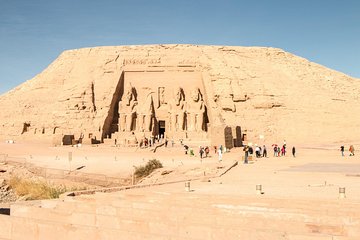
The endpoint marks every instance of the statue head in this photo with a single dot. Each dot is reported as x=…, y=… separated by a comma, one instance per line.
x=178, y=95
x=129, y=94
x=196, y=95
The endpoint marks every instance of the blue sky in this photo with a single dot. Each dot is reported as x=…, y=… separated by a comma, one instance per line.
x=34, y=32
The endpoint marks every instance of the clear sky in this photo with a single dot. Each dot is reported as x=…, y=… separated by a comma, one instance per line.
x=34, y=32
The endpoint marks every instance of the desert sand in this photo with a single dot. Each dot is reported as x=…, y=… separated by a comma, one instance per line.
x=302, y=191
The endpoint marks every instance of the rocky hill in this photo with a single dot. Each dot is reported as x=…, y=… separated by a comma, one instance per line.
x=270, y=93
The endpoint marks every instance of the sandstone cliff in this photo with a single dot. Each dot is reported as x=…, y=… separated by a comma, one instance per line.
x=266, y=91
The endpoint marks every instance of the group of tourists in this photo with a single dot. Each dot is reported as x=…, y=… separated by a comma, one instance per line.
x=259, y=151
x=153, y=140
x=262, y=151
x=282, y=151
x=351, y=150
x=279, y=151
x=203, y=151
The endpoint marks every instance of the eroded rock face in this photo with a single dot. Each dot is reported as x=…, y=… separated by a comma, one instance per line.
x=183, y=92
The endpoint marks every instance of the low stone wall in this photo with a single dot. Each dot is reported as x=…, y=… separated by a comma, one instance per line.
x=75, y=176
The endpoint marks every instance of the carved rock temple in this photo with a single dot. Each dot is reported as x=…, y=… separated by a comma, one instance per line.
x=210, y=94
x=162, y=101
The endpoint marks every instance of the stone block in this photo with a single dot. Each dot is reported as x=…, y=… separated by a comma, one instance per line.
x=107, y=221
x=24, y=229
x=81, y=232
x=5, y=226
x=87, y=219
x=51, y=230
x=106, y=210
x=134, y=225
x=163, y=226
x=57, y=140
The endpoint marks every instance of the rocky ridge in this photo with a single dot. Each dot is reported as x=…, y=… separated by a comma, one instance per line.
x=266, y=91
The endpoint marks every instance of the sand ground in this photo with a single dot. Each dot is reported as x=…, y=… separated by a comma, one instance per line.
x=316, y=171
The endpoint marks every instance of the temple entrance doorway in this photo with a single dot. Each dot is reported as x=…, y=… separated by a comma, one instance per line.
x=161, y=128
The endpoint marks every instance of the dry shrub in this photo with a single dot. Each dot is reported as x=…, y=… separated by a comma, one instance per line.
x=35, y=190
x=150, y=166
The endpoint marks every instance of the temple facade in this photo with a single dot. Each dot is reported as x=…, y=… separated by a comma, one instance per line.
x=165, y=102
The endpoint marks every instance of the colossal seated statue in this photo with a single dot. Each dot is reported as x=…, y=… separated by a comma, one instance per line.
x=177, y=110
x=127, y=110
x=145, y=114
x=195, y=111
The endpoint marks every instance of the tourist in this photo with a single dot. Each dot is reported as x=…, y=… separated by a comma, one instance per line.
x=293, y=151
x=283, y=150
x=155, y=139
x=352, y=150
x=166, y=142
x=220, y=154
x=257, y=151
x=186, y=148
x=191, y=152
x=278, y=151
x=246, y=150
x=221, y=148
x=207, y=151
x=251, y=151
x=275, y=150
x=342, y=149
x=264, y=151
x=215, y=149
x=201, y=151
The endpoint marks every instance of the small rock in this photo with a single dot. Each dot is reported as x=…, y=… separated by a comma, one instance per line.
x=166, y=172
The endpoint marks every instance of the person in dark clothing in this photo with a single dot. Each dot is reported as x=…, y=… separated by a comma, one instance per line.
x=246, y=150
x=201, y=152
x=186, y=148
x=264, y=151
x=251, y=151
x=293, y=151
x=342, y=149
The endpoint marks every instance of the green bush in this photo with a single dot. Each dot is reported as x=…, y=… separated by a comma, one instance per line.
x=150, y=166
